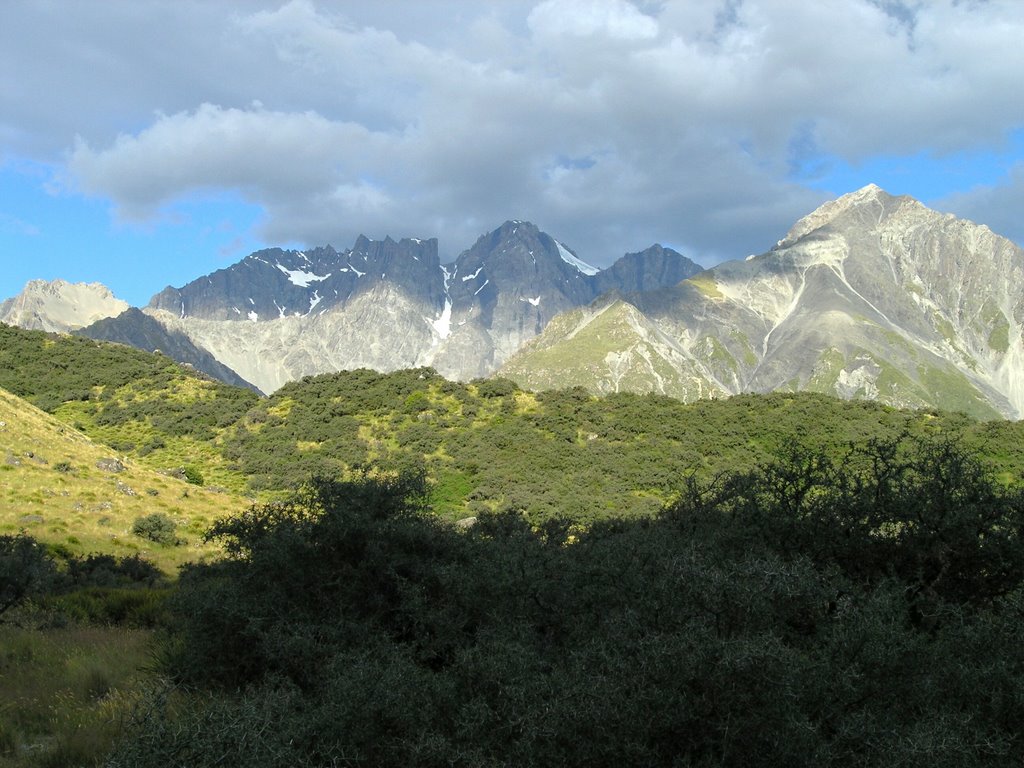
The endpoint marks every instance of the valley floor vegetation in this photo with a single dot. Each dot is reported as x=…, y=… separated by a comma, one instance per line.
x=865, y=610
x=469, y=574
x=76, y=645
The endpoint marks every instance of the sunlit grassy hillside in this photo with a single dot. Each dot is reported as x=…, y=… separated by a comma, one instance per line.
x=62, y=488
x=142, y=404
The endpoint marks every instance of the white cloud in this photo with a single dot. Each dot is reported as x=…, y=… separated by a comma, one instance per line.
x=614, y=19
x=609, y=123
x=266, y=154
x=16, y=226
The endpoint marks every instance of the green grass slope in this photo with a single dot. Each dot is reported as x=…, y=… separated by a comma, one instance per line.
x=64, y=489
x=141, y=404
x=606, y=349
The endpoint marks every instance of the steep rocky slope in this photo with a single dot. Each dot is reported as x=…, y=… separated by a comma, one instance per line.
x=60, y=306
x=279, y=315
x=137, y=329
x=869, y=296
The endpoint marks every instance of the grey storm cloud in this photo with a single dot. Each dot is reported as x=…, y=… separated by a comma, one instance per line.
x=998, y=206
x=611, y=124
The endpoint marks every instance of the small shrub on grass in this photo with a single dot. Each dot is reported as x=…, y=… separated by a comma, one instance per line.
x=26, y=570
x=102, y=570
x=156, y=527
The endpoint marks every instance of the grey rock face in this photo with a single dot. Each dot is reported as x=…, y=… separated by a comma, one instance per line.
x=503, y=291
x=275, y=283
x=869, y=296
x=59, y=306
x=647, y=270
x=279, y=315
x=137, y=329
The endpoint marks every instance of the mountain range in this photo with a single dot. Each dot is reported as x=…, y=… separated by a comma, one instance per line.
x=869, y=296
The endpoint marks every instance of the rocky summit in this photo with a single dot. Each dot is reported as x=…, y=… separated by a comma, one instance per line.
x=870, y=296
x=60, y=306
x=279, y=315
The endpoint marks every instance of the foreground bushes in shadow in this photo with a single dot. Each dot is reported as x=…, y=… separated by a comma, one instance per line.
x=859, y=611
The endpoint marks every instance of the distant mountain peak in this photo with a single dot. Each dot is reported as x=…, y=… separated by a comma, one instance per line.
x=870, y=201
x=871, y=295
x=867, y=190
x=60, y=306
x=514, y=225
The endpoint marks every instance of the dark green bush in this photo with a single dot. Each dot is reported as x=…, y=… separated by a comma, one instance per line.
x=496, y=387
x=858, y=611
x=26, y=570
x=102, y=570
x=156, y=527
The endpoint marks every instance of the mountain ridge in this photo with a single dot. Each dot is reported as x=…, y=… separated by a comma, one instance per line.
x=279, y=315
x=60, y=306
x=870, y=295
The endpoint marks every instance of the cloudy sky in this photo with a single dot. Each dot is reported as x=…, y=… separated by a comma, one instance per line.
x=147, y=142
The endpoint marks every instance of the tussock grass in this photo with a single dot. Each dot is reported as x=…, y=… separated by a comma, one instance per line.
x=52, y=488
x=65, y=692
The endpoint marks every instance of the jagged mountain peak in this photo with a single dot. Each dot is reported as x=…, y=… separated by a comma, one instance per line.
x=412, y=246
x=514, y=226
x=522, y=242
x=654, y=267
x=501, y=239
x=872, y=295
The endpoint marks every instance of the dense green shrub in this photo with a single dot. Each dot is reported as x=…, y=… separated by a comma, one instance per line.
x=497, y=387
x=535, y=452
x=863, y=609
x=156, y=527
x=103, y=570
x=26, y=570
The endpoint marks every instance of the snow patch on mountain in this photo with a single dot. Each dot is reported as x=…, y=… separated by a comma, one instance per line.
x=443, y=324
x=300, y=278
x=571, y=260
x=315, y=299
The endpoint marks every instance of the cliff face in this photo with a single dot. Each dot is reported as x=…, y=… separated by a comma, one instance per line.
x=280, y=315
x=137, y=329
